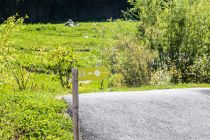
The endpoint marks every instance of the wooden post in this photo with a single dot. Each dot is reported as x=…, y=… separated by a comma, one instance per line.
x=75, y=103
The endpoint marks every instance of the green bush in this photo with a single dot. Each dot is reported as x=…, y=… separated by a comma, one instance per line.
x=116, y=81
x=179, y=31
x=161, y=77
x=62, y=61
x=130, y=60
x=15, y=68
x=200, y=71
x=33, y=116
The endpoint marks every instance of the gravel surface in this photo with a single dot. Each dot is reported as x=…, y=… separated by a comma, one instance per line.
x=175, y=114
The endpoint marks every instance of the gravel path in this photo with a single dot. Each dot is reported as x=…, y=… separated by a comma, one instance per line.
x=176, y=114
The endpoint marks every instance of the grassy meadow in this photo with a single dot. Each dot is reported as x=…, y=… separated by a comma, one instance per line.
x=34, y=41
x=89, y=39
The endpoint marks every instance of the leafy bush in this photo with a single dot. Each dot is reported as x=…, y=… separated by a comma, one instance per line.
x=116, y=81
x=161, y=77
x=132, y=61
x=179, y=31
x=200, y=71
x=12, y=67
x=33, y=116
x=62, y=61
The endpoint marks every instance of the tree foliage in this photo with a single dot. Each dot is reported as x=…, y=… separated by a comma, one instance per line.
x=62, y=10
x=179, y=31
x=10, y=61
x=129, y=61
x=62, y=61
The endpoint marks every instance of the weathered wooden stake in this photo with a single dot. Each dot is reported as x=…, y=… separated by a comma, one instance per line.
x=75, y=103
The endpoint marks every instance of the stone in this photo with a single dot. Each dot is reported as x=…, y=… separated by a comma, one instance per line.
x=71, y=23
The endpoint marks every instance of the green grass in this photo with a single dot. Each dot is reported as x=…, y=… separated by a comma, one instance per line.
x=34, y=38
x=189, y=85
x=95, y=87
x=87, y=35
x=30, y=115
x=88, y=38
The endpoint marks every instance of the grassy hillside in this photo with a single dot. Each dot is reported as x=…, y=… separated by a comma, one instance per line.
x=85, y=36
x=35, y=41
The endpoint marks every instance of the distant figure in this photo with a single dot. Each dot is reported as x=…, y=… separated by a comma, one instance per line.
x=71, y=23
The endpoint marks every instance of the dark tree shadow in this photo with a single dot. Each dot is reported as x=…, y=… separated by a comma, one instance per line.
x=205, y=91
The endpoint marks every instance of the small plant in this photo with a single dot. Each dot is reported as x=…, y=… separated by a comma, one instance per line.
x=12, y=62
x=161, y=77
x=116, y=81
x=62, y=61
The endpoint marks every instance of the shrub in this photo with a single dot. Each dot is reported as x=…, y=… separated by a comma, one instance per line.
x=200, y=71
x=131, y=60
x=12, y=68
x=116, y=81
x=62, y=61
x=161, y=77
x=178, y=30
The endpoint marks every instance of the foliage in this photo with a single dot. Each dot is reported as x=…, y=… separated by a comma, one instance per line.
x=116, y=80
x=27, y=115
x=10, y=61
x=36, y=43
x=161, y=77
x=132, y=60
x=62, y=61
x=33, y=116
x=88, y=40
x=200, y=71
x=179, y=31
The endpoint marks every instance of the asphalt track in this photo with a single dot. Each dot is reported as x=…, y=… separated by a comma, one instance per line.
x=175, y=114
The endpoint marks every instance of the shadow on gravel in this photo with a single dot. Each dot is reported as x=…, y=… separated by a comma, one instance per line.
x=205, y=91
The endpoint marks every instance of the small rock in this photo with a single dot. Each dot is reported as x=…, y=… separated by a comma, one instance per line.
x=71, y=23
